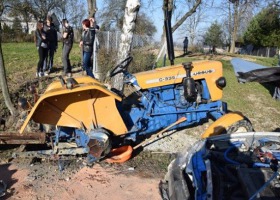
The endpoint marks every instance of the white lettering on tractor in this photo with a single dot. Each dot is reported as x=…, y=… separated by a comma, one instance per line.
x=209, y=71
x=168, y=78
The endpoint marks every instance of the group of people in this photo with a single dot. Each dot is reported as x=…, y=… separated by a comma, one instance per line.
x=46, y=41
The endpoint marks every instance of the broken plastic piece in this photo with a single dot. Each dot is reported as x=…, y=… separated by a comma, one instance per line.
x=120, y=155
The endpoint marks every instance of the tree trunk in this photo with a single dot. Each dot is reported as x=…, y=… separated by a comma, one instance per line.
x=170, y=4
x=229, y=27
x=27, y=27
x=235, y=26
x=91, y=7
x=168, y=9
x=3, y=80
x=3, y=83
x=131, y=11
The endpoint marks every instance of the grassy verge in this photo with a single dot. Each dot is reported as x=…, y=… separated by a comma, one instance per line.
x=23, y=57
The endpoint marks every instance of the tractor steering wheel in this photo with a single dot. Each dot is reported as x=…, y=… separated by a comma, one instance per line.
x=122, y=67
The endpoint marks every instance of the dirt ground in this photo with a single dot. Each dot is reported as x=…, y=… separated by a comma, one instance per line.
x=138, y=178
x=97, y=182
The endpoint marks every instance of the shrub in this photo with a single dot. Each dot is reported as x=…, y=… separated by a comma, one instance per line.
x=107, y=60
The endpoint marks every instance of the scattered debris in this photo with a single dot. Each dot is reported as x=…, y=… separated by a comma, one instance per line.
x=240, y=165
x=2, y=123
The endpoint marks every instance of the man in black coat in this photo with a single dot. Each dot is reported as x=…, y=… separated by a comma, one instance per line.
x=68, y=38
x=51, y=34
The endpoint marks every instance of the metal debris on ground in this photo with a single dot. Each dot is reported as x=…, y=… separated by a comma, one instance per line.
x=3, y=188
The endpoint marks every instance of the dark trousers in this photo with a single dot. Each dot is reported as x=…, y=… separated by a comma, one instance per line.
x=65, y=58
x=51, y=51
x=185, y=50
x=43, y=52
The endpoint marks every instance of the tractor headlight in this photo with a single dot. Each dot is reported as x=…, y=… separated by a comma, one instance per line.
x=221, y=82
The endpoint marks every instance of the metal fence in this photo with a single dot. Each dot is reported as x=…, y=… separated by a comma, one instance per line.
x=259, y=51
x=107, y=44
x=111, y=40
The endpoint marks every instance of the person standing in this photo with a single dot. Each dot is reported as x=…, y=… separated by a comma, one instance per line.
x=42, y=47
x=68, y=38
x=52, y=43
x=185, y=43
x=86, y=43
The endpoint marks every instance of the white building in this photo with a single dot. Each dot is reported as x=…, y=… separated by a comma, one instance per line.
x=10, y=20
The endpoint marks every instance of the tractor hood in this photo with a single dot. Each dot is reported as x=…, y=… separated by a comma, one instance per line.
x=211, y=71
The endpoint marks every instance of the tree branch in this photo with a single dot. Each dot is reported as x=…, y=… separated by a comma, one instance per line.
x=181, y=21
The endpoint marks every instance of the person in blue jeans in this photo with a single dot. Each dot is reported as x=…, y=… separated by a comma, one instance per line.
x=86, y=43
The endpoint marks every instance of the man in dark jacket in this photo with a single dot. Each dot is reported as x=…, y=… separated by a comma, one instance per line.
x=68, y=38
x=52, y=43
x=186, y=43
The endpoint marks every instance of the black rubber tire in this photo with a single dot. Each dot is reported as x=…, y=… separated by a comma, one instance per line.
x=240, y=126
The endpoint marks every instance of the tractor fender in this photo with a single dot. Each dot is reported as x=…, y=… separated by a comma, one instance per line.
x=220, y=125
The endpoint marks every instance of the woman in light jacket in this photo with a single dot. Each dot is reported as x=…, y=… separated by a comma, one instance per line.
x=42, y=47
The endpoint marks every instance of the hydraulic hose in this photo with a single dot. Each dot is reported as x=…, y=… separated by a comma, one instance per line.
x=235, y=145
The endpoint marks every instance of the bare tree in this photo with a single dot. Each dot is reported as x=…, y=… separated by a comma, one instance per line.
x=41, y=8
x=131, y=11
x=236, y=21
x=186, y=15
x=3, y=80
x=22, y=8
x=191, y=25
x=112, y=15
x=91, y=8
x=236, y=12
x=112, y=12
x=68, y=9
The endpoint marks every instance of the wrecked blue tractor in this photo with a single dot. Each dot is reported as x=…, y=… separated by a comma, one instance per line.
x=92, y=119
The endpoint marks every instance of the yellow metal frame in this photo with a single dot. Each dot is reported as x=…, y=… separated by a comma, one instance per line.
x=89, y=104
x=208, y=70
x=222, y=124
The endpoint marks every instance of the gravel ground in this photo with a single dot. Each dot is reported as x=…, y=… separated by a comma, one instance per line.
x=176, y=141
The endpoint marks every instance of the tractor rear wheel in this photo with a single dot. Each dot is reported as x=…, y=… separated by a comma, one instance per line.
x=240, y=126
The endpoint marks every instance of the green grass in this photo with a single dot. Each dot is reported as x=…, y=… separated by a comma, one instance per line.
x=24, y=57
